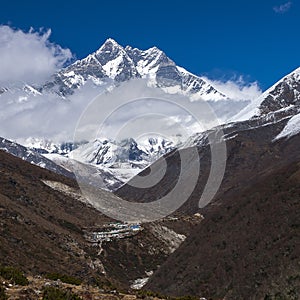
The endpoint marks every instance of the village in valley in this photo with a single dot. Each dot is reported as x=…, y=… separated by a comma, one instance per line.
x=112, y=231
x=119, y=230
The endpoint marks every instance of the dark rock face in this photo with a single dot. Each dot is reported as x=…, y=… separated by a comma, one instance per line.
x=284, y=94
x=111, y=51
x=168, y=76
x=135, y=153
x=247, y=247
x=153, y=57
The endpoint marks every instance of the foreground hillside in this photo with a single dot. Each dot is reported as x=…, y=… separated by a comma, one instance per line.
x=47, y=227
x=248, y=245
x=41, y=288
x=41, y=229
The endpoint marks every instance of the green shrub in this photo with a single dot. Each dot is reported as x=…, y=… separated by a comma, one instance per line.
x=51, y=293
x=2, y=293
x=188, y=297
x=105, y=284
x=14, y=275
x=64, y=278
x=145, y=293
x=70, y=226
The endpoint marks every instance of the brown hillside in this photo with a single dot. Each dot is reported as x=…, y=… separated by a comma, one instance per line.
x=248, y=246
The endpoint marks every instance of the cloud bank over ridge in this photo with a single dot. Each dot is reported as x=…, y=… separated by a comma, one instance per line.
x=30, y=57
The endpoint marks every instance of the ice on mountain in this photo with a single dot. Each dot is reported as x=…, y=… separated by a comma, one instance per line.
x=281, y=95
x=292, y=128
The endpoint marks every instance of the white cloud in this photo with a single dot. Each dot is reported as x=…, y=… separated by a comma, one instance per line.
x=237, y=89
x=131, y=110
x=283, y=8
x=29, y=56
x=42, y=116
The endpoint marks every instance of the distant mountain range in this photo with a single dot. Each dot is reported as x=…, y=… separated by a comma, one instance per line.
x=113, y=64
x=32, y=157
x=106, y=68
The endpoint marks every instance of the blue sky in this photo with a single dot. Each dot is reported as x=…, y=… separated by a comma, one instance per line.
x=219, y=39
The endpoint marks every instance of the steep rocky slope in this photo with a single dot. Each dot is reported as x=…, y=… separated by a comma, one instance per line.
x=41, y=229
x=283, y=96
x=248, y=245
x=45, y=222
x=112, y=62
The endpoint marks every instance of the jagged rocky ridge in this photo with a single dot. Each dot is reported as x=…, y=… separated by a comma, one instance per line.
x=282, y=97
x=110, y=65
x=113, y=62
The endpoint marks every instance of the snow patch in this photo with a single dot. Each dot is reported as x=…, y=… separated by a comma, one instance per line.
x=253, y=109
x=112, y=67
x=292, y=128
x=139, y=283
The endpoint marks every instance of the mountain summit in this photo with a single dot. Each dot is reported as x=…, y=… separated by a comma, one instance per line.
x=283, y=96
x=116, y=63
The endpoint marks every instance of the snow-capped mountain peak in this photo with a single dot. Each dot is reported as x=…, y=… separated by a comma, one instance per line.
x=104, y=69
x=283, y=95
x=118, y=64
x=148, y=61
x=110, y=42
x=115, y=61
x=124, y=158
x=111, y=153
